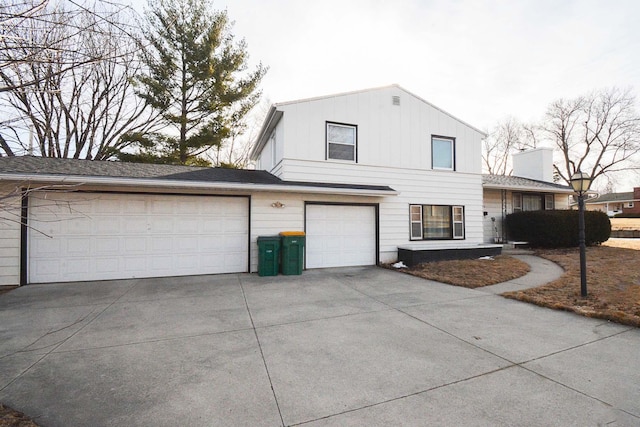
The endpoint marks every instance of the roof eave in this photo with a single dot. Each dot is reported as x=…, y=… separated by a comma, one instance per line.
x=610, y=201
x=528, y=188
x=194, y=185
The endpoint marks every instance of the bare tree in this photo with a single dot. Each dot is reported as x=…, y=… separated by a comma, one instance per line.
x=11, y=196
x=30, y=34
x=234, y=153
x=66, y=74
x=598, y=133
x=506, y=137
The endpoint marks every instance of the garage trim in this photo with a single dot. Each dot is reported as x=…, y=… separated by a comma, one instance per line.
x=24, y=227
x=24, y=214
x=376, y=207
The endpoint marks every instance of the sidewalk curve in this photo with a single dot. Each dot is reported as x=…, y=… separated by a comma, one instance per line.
x=542, y=272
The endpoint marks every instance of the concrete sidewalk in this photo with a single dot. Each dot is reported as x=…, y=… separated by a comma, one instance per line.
x=542, y=271
x=352, y=346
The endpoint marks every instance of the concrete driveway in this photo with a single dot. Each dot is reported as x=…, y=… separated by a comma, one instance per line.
x=355, y=346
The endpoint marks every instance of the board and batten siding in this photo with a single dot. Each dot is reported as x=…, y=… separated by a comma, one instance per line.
x=395, y=136
x=10, y=241
x=414, y=187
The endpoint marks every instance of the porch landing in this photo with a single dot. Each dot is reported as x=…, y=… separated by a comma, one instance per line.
x=413, y=255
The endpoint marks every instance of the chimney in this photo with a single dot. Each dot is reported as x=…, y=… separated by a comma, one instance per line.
x=534, y=164
x=636, y=193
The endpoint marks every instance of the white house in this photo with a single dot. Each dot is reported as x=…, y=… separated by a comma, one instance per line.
x=385, y=136
x=365, y=174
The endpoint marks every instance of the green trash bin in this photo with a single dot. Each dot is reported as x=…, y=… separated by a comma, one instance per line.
x=268, y=255
x=292, y=252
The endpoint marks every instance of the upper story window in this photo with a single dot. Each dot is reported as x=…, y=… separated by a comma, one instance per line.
x=443, y=152
x=342, y=141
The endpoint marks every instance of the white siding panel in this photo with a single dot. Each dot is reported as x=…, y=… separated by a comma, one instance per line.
x=10, y=240
x=414, y=186
x=267, y=220
x=561, y=201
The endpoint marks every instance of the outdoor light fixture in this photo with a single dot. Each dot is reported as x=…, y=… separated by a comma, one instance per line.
x=277, y=205
x=580, y=182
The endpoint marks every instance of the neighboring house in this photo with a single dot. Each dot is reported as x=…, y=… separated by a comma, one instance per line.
x=615, y=203
x=362, y=173
x=530, y=188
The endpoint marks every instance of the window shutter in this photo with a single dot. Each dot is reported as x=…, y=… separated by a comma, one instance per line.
x=415, y=212
x=458, y=222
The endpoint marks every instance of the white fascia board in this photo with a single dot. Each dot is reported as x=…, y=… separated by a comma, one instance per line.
x=195, y=185
x=270, y=122
x=526, y=188
x=602, y=202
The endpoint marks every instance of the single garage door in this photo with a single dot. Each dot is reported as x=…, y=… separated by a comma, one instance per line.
x=340, y=235
x=97, y=236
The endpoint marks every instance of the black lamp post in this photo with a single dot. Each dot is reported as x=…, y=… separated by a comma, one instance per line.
x=580, y=182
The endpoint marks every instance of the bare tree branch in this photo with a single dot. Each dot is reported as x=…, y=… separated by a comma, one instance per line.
x=11, y=196
x=508, y=136
x=597, y=134
x=67, y=73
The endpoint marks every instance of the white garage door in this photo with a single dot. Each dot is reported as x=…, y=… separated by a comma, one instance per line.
x=340, y=236
x=96, y=236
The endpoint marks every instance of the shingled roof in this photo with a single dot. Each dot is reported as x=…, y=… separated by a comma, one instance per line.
x=65, y=168
x=525, y=184
x=76, y=167
x=612, y=197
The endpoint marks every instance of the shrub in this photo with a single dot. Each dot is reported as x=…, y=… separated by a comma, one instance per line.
x=627, y=215
x=557, y=229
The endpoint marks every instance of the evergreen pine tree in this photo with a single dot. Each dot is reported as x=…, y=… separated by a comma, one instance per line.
x=197, y=80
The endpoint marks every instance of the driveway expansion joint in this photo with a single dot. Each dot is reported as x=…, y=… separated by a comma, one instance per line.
x=264, y=361
x=417, y=393
x=61, y=342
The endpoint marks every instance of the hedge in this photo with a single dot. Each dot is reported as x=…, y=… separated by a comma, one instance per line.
x=557, y=229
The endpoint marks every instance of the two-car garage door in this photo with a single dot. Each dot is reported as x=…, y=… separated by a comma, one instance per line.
x=96, y=236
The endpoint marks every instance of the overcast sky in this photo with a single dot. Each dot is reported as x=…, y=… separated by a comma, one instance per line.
x=478, y=60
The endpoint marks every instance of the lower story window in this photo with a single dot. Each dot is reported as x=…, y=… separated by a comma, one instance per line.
x=436, y=222
x=532, y=202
